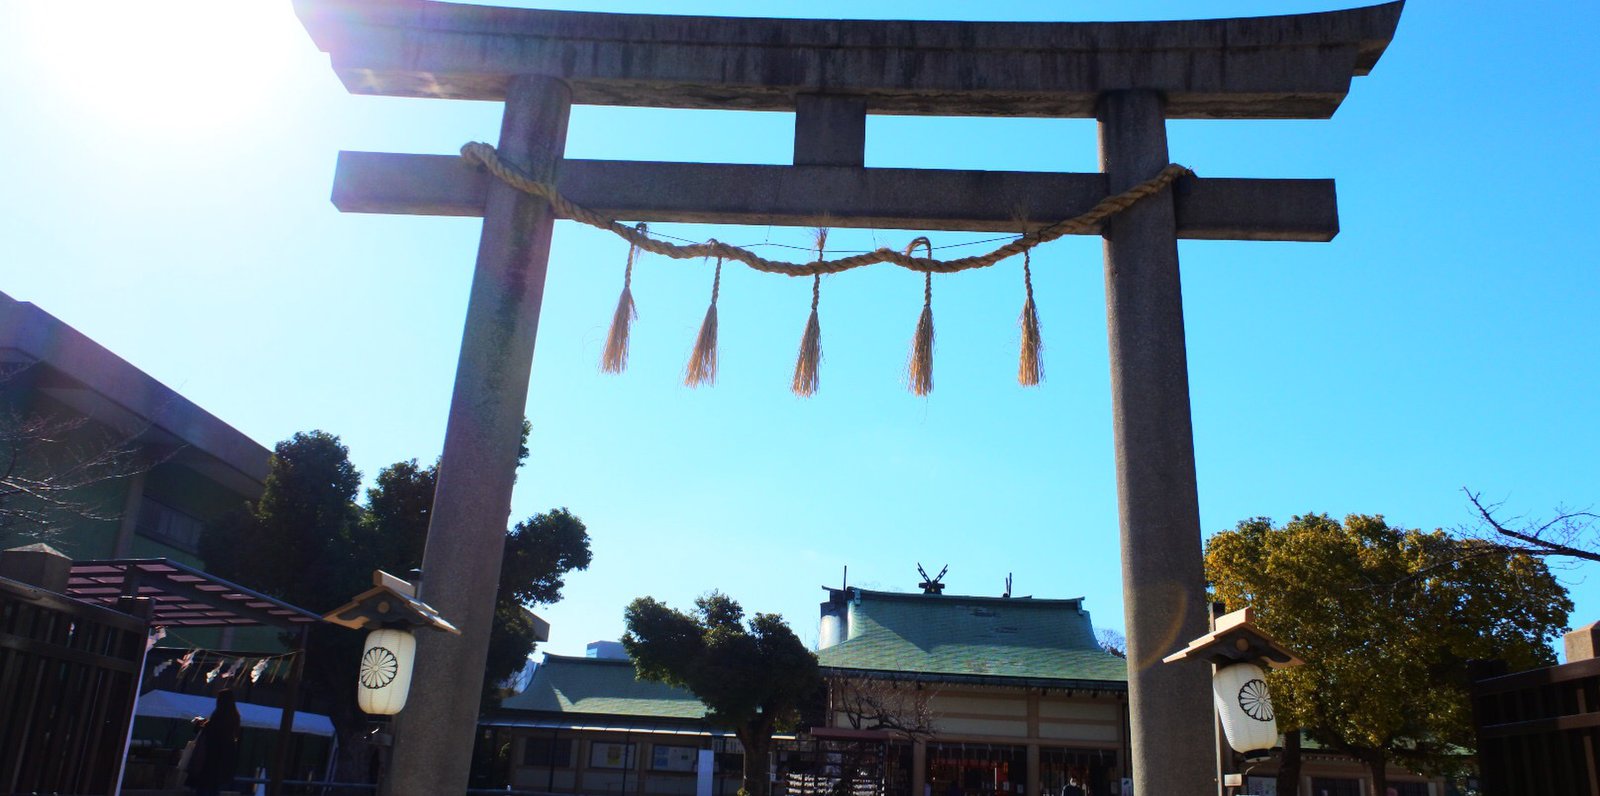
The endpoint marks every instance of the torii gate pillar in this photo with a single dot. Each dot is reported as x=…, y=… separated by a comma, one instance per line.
x=832, y=73
x=1163, y=579
x=471, y=504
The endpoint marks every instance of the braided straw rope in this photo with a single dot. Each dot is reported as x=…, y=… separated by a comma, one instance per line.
x=1089, y=222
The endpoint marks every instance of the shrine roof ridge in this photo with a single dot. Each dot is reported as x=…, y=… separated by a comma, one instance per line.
x=1053, y=603
x=1290, y=66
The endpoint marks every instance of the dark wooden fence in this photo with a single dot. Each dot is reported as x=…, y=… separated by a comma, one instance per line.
x=68, y=677
x=1539, y=731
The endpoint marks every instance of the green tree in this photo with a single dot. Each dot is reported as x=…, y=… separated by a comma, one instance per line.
x=753, y=676
x=1386, y=619
x=308, y=542
x=295, y=541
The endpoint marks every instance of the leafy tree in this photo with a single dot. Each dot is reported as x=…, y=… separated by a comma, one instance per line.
x=753, y=676
x=295, y=541
x=308, y=542
x=539, y=552
x=1386, y=619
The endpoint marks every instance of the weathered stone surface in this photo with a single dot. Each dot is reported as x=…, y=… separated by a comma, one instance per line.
x=466, y=530
x=920, y=199
x=830, y=130
x=1163, y=582
x=1296, y=66
x=37, y=565
x=1583, y=643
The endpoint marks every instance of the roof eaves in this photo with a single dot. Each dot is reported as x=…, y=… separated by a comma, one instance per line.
x=976, y=679
x=47, y=340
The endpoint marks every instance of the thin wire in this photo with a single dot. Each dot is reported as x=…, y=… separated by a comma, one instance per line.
x=658, y=234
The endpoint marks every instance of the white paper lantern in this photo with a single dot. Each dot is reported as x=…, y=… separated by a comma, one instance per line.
x=1240, y=692
x=385, y=675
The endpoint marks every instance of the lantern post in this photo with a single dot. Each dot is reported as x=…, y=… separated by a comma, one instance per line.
x=389, y=611
x=1239, y=654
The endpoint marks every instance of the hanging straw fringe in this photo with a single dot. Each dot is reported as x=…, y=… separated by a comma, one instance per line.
x=1030, y=366
x=919, y=368
x=702, y=367
x=615, y=357
x=805, y=366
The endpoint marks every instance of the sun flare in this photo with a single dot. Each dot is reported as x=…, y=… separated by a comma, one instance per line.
x=191, y=65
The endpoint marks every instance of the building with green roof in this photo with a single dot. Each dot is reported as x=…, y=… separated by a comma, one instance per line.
x=588, y=725
x=1001, y=694
x=605, y=691
x=927, y=694
x=1001, y=641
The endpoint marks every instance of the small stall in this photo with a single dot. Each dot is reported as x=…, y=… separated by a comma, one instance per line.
x=180, y=596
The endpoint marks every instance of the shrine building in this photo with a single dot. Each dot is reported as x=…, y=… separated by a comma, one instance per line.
x=969, y=695
x=927, y=693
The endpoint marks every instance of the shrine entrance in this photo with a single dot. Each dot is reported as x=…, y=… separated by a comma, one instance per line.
x=1131, y=77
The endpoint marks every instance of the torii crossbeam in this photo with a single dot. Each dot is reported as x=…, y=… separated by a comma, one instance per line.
x=1129, y=76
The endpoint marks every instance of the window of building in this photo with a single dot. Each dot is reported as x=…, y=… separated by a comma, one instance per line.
x=1409, y=788
x=1260, y=786
x=551, y=752
x=673, y=758
x=167, y=525
x=610, y=755
x=1327, y=786
x=730, y=756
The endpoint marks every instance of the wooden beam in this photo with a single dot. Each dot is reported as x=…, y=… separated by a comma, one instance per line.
x=841, y=196
x=1295, y=66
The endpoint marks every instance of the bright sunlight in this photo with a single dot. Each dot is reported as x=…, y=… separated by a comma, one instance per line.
x=167, y=65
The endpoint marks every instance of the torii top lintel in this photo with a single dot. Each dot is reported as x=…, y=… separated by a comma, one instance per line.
x=1296, y=66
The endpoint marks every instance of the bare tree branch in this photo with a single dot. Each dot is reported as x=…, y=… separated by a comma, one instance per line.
x=1113, y=642
x=48, y=463
x=903, y=709
x=1569, y=534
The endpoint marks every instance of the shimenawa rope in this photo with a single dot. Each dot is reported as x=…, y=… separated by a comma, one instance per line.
x=1088, y=222
x=702, y=367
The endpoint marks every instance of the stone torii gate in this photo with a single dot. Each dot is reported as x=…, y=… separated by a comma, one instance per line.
x=1131, y=77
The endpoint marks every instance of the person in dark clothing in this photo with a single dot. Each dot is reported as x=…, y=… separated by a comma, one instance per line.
x=215, y=760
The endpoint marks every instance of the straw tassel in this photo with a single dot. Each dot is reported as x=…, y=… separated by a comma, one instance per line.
x=1030, y=365
x=805, y=366
x=615, y=357
x=702, y=367
x=919, y=369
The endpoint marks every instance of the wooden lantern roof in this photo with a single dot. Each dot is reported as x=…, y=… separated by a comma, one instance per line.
x=390, y=602
x=1236, y=639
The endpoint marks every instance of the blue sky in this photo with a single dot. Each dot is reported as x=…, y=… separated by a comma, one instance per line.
x=165, y=191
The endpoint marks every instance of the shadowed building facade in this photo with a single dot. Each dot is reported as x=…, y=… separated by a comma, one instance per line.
x=181, y=467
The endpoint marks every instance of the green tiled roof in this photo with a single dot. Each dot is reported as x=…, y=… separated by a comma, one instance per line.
x=601, y=686
x=970, y=636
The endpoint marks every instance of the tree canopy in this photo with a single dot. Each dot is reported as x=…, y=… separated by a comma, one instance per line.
x=1386, y=619
x=753, y=676
x=309, y=542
